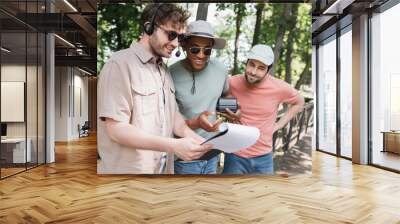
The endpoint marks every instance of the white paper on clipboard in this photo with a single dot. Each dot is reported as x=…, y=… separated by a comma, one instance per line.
x=234, y=137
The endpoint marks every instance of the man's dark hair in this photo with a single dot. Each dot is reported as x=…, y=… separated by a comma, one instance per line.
x=164, y=12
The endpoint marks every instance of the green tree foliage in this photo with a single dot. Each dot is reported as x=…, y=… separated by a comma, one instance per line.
x=285, y=27
x=303, y=45
x=118, y=25
x=296, y=46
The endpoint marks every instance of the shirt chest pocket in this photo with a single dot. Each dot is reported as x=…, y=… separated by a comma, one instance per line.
x=145, y=99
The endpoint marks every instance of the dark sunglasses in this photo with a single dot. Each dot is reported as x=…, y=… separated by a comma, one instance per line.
x=196, y=50
x=172, y=34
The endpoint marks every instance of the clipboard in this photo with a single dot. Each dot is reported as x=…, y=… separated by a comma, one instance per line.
x=231, y=138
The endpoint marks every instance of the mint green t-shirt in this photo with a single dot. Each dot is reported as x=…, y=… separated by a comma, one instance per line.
x=211, y=83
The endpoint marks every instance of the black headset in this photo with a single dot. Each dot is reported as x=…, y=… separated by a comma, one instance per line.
x=148, y=27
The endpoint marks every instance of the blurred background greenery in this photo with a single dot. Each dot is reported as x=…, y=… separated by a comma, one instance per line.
x=285, y=27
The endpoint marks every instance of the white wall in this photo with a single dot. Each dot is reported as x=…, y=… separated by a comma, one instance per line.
x=62, y=81
x=71, y=94
x=80, y=110
x=16, y=73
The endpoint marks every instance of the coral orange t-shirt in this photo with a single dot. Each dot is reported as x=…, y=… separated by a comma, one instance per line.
x=259, y=108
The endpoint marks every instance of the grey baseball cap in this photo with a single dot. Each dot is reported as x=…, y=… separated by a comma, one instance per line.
x=201, y=28
x=262, y=53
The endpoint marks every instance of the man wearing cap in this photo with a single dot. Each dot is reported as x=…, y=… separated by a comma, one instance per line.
x=199, y=82
x=260, y=95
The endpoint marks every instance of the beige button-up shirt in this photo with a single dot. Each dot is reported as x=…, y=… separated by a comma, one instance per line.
x=134, y=88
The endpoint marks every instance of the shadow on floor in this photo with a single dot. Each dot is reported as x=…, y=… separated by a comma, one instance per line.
x=295, y=160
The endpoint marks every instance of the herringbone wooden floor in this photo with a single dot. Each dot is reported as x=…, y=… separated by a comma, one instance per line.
x=70, y=191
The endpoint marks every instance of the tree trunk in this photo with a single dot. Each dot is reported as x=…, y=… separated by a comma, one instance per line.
x=291, y=28
x=280, y=34
x=305, y=74
x=239, y=16
x=278, y=69
x=288, y=60
x=202, y=11
x=257, y=28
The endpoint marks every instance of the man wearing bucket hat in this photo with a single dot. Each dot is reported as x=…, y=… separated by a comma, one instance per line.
x=199, y=82
x=260, y=95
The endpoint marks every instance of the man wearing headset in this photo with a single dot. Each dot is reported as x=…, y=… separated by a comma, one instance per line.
x=137, y=110
x=199, y=82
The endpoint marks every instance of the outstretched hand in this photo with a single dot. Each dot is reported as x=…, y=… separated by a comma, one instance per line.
x=205, y=124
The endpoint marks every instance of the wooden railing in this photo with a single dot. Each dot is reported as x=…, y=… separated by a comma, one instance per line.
x=289, y=135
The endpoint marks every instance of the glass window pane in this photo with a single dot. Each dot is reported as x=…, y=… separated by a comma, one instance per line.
x=346, y=94
x=386, y=88
x=13, y=86
x=327, y=96
x=23, y=85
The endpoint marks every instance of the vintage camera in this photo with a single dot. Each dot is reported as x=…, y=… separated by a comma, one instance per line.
x=224, y=103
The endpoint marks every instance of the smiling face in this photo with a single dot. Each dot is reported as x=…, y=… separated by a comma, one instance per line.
x=159, y=41
x=198, y=50
x=255, y=71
